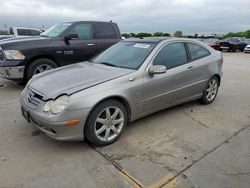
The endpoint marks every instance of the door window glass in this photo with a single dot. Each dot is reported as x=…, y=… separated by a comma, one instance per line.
x=171, y=55
x=23, y=32
x=84, y=31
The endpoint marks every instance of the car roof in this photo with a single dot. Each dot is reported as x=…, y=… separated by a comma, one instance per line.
x=148, y=39
x=26, y=28
x=89, y=21
x=157, y=39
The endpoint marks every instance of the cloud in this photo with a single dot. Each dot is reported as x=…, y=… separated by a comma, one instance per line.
x=190, y=16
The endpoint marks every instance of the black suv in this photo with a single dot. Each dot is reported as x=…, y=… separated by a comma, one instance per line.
x=62, y=44
x=233, y=44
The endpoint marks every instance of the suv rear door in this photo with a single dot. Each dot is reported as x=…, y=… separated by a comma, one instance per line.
x=106, y=34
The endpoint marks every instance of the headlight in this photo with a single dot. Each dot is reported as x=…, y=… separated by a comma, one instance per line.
x=56, y=106
x=13, y=54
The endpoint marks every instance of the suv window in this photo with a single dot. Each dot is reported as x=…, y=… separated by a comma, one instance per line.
x=84, y=31
x=103, y=31
x=23, y=32
x=171, y=55
x=197, y=52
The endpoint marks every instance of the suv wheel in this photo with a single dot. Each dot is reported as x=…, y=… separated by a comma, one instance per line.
x=39, y=66
x=106, y=123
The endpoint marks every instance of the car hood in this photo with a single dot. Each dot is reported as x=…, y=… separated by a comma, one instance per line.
x=73, y=78
x=21, y=40
x=248, y=46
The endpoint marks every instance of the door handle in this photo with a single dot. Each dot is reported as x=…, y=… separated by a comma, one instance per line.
x=190, y=68
x=90, y=44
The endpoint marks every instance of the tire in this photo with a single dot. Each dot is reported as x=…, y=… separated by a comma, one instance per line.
x=212, y=87
x=105, y=131
x=38, y=66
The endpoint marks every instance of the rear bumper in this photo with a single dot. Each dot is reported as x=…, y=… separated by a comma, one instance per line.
x=12, y=72
x=224, y=47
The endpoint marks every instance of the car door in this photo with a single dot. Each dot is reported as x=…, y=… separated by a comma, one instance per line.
x=198, y=67
x=162, y=90
x=105, y=35
x=81, y=48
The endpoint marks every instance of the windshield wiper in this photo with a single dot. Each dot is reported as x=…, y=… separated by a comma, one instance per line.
x=108, y=64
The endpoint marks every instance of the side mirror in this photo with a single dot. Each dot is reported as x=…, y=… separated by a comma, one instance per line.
x=70, y=37
x=157, y=69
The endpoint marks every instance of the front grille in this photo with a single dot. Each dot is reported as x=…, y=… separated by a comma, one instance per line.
x=32, y=98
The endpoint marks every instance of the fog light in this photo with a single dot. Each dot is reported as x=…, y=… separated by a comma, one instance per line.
x=73, y=122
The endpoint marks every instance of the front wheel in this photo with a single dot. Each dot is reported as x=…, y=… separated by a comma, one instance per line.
x=39, y=66
x=106, y=123
x=210, y=92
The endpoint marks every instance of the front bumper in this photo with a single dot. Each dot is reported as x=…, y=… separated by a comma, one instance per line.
x=55, y=126
x=12, y=72
x=247, y=50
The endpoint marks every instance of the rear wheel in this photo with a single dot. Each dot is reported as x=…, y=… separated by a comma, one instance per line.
x=106, y=123
x=211, y=90
x=39, y=66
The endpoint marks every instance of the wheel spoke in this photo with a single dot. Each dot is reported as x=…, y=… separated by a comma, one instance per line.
x=100, y=120
x=103, y=128
x=115, y=113
x=212, y=83
x=214, y=87
x=40, y=69
x=117, y=121
x=107, y=111
x=114, y=129
x=208, y=95
x=107, y=133
x=48, y=68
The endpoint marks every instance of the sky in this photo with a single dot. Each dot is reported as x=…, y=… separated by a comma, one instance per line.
x=188, y=16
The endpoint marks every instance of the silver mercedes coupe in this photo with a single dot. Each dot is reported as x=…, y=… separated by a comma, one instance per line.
x=95, y=100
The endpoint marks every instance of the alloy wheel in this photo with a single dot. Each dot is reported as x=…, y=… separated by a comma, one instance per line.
x=42, y=68
x=109, y=123
x=211, y=90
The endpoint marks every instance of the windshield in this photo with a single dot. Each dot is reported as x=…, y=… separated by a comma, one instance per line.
x=56, y=30
x=125, y=54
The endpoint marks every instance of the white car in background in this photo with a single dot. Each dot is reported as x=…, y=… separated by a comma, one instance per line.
x=247, y=48
x=17, y=32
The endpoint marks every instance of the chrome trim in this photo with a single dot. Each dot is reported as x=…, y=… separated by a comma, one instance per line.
x=12, y=72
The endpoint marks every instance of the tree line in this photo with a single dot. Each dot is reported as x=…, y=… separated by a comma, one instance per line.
x=245, y=34
x=156, y=34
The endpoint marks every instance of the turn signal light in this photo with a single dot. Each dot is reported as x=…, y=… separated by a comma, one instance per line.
x=73, y=122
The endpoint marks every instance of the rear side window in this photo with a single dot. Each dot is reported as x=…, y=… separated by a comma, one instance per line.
x=103, y=31
x=171, y=55
x=84, y=31
x=197, y=52
x=23, y=32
